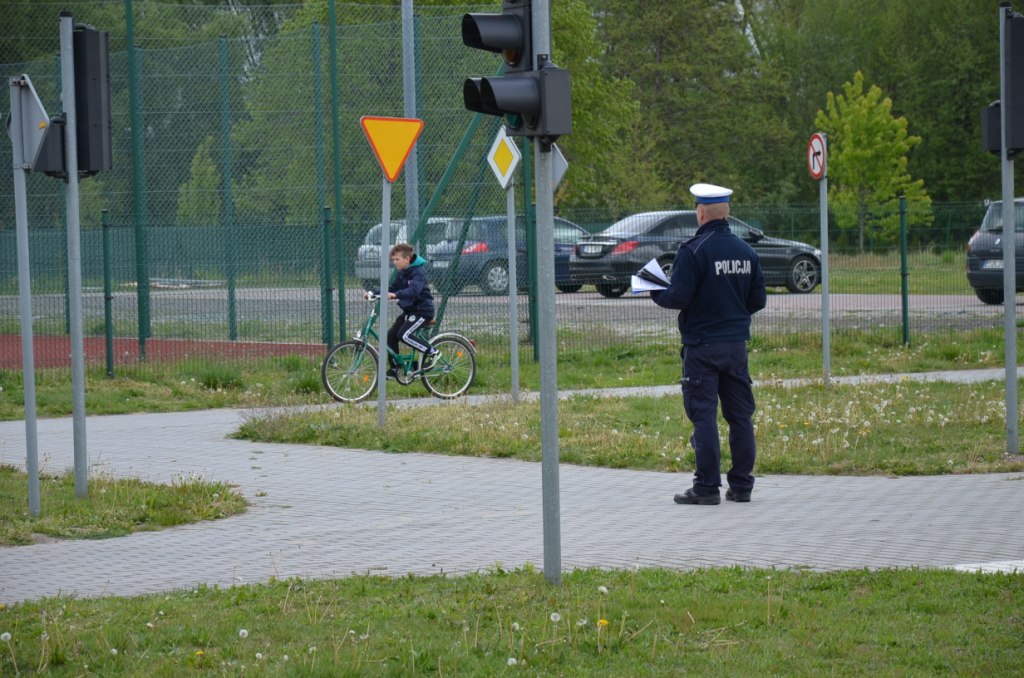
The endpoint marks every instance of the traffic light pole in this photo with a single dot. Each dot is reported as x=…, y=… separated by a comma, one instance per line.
x=543, y=178
x=67, y=69
x=1009, y=236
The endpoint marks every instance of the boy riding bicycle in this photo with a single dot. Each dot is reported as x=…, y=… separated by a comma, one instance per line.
x=412, y=291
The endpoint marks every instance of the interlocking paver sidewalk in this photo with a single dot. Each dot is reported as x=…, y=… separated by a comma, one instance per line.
x=323, y=512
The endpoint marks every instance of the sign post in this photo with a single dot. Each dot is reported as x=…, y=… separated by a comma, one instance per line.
x=391, y=140
x=817, y=165
x=27, y=125
x=504, y=159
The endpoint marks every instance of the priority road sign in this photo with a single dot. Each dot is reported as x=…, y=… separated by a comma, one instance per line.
x=391, y=140
x=504, y=158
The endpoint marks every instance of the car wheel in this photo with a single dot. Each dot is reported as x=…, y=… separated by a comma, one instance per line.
x=612, y=290
x=494, y=279
x=991, y=296
x=569, y=288
x=804, y=275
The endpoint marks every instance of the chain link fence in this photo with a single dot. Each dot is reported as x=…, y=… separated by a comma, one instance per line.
x=243, y=190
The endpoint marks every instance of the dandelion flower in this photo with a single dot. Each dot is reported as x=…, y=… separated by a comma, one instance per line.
x=555, y=617
x=581, y=622
x=512, y=661
x=603, y=590
x=602, y=622
x=5, y=637
x=200, y=653
x=113, y=651
x=284, y=658
x=149, y=625
x=515, y=626
x=259, y=655
x=242, y=633
x=364, y=636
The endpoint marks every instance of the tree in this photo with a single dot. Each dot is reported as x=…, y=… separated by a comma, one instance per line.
x=199, y=199
x=867, y=161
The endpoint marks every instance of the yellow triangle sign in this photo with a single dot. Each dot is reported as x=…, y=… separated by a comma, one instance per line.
x=391, y=140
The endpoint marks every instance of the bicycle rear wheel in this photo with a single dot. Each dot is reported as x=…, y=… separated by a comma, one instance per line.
x=349, y=371
x=454, y=368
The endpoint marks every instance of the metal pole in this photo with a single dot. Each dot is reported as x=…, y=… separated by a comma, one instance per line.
x=826, y=326
x=513, y=291
x=141, y=209
x=1009, y=241
x=327, y=292
x=339, y=236
x=108, y=295
x=28, y=362
x=411, y=168
x=546, y=324
x=229, y=202
x=327, y=301
x=67, y=70
x=904, y=271
x=382, y=317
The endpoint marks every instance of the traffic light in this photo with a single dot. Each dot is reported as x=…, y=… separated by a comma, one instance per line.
x=1013, y=59
x=534, y=97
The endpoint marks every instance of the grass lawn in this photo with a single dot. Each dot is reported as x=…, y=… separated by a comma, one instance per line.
x=647, y=622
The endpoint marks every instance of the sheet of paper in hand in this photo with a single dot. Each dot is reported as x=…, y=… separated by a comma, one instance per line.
x=649, y=278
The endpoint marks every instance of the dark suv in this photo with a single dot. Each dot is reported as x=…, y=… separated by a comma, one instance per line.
x=985, y=253
x=482, y=259
x=608, y=260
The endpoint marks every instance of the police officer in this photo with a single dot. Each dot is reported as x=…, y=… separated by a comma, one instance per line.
x=716, y=286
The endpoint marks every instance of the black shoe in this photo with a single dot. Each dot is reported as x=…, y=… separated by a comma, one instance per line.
x=691, y=497
x=392, y=373
x=737, y=496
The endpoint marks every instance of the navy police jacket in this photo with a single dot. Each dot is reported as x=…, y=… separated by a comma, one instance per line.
x=716, y=285
x=411, y=289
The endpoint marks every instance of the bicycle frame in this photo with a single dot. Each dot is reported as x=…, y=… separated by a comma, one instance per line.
x=405, y=361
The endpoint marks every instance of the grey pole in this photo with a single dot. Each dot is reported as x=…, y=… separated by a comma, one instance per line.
x=28, y=361
x=67, y=72
x=513, y=291
x=382, y=319
x=412, y=172
x=1009, y=253
x=546, y=323
x=826, y=323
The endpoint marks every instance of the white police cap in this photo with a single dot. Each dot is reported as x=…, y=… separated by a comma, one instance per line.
x=709, y=193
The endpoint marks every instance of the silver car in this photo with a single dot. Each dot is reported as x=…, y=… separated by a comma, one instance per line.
x=368, y=256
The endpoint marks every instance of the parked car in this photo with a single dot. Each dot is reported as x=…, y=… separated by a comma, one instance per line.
x=608, y=259
x=985, y=253
x=483, y=257
x=368, y=256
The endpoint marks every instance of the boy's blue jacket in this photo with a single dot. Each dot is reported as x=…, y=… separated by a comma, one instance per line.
x=412, y=290
x=716, y=285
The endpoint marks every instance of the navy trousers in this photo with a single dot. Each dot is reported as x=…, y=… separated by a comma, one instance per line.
x=713, y=373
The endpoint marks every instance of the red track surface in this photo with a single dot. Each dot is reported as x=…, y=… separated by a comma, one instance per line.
x=55, y=351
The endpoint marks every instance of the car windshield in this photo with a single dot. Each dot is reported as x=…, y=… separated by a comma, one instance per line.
x=994, y=216
x=397, y=233
x=454, y=231
x=634, y=225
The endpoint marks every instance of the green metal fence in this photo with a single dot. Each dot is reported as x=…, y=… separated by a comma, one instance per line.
x=243, y=187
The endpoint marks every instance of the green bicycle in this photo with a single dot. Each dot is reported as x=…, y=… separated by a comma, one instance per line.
x=349, y=371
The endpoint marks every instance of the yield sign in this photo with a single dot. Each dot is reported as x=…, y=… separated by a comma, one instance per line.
x=391, y=140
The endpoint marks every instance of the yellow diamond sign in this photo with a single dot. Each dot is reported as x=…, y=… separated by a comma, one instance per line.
x=504, y=158
x=391, y=139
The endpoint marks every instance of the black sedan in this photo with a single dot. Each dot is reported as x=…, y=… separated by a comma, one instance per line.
x=608, y=259
x=475, y=252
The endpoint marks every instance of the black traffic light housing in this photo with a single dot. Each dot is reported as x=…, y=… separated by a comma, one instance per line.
x=93, y=127
x=533, y=93
x=1013, y=59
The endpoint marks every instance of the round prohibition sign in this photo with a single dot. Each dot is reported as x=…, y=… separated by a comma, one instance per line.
x=817, y=151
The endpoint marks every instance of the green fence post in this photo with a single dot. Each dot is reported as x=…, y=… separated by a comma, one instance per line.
x=138, y=181
x=108, y=295
x=332, y=37
x=904, y=273
x=229, y=205
x=326, y=303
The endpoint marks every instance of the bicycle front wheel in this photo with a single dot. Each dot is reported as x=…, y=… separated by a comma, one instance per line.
x=349, y=371
x=454, y=368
